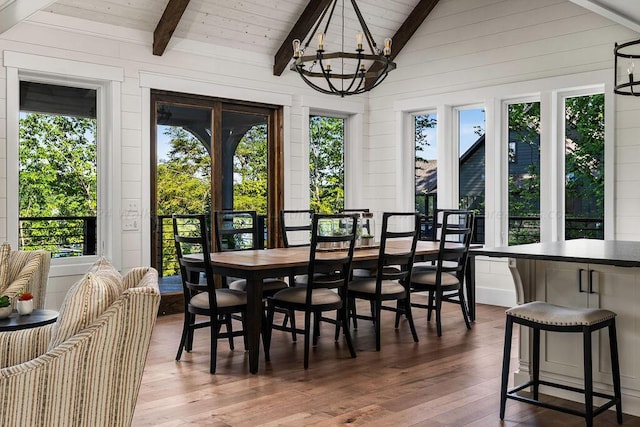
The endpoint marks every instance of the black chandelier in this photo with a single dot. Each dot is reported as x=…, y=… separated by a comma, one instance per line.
x=628, y=52
x=342, y=73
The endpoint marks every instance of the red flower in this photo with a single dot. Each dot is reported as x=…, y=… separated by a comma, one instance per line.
x=25, y=296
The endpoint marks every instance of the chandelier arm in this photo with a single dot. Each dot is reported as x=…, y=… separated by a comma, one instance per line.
x=315, y=86
x=333, y=8
x=327, y=76
x=355, y=77
x=315, y=29
x=365, y=28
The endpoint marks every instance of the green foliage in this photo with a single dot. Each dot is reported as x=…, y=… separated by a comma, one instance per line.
x=584, y=157
x=250, y=171
x=57, y=177
x=524, y=190
x=58, y=174
x=421, y=124
x=4, y=301
x=326, y=164
x=184, y=178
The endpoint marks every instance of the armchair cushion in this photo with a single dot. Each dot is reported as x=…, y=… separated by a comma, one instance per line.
x=86, y=300
x=27, y=271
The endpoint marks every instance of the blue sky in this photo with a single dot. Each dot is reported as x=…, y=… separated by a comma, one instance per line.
x=468, y=119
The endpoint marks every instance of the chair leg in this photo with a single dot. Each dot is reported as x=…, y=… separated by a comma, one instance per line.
x=409, y=315
x=347, y=334
x=215, y=328
x=536, y=363
x=183, y=338
x=615, y=369
x=307, y=332
x=438, y=308
x=396, y=324
x=354, y=313
x=506, y=358
x=463, y=306
x=339, y=324
x=292, y=322
x=316, y=327
x=189, y=343
x=375, y=306
x=430, y=305
x=268, y=330
x=228, y=320
x=588, y=377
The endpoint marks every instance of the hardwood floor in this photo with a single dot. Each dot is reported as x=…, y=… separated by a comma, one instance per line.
x=448, y=381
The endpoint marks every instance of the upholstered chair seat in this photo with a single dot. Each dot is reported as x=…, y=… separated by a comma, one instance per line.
x=224, y=298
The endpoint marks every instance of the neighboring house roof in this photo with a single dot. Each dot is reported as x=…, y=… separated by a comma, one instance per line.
x=426, y=176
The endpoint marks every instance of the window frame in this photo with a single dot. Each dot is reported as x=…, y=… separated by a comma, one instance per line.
x=106, y=81
x=548, y=91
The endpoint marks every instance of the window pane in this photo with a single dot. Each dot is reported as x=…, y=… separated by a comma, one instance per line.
x=471, y=126
x=426, y=146
x=524, y=172
x=326, y=163
x=58, y=173
x=183, y=173
x=584, y=167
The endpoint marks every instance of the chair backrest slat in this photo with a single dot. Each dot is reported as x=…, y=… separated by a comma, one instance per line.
x=236, y=230
x=399, y=227
x=295, y=226
x=455, y=238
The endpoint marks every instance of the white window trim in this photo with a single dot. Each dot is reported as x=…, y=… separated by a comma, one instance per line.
x=354, y=153
x=547, y=91
x=106, y=80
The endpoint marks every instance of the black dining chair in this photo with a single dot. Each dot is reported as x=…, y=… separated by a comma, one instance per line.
x=329, y=271
x=201, y=298
x=444, y=281
x=237, y=230
x=398, y=242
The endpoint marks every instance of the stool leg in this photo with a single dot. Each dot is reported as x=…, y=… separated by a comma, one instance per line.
x=536, y=363
x=588, y=377
x=506, y=358
x=615, y=369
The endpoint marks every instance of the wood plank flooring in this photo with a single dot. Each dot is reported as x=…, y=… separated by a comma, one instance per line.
x=447, y=381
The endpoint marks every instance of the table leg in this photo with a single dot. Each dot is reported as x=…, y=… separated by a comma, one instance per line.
x=254, y=322
x=470, y=281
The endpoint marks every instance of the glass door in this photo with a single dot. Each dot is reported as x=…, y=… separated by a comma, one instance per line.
x=210, y=155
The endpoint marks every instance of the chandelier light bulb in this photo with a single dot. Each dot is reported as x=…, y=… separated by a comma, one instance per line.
x=320, y=41
x=296, y=48
x=387, y=47
x=359, y=38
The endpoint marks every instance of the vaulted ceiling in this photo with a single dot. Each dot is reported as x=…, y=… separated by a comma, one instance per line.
x=258, y=25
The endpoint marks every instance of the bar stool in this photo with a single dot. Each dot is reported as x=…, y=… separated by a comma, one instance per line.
x=548, y=317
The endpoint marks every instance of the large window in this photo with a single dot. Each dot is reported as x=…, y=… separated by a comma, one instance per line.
x=326, y=163
x=584, y=166
x=523, y=158
x=533, y=170
x=426, y=162
x=471, y=151
x=58, y=172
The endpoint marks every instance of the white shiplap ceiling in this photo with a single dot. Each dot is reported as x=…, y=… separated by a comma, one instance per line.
x=254, y=25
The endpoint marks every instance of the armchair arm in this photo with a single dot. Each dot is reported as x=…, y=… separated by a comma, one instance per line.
x=92, y=378
x=19, y=346
x=29, y=271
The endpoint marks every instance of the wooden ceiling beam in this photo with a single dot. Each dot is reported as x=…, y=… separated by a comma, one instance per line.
x=309, y=16
x=167, y=25
x=407, y=29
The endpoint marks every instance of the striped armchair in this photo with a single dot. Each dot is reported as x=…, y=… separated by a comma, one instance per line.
x=26, y=271
x=85, y=369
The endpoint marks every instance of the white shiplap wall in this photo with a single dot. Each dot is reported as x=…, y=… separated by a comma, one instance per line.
x=464, y=44
x=467, y=45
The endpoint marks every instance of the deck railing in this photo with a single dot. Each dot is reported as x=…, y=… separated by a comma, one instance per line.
x=64, y=236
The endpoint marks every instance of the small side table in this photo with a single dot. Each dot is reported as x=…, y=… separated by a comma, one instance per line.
x=38, y=317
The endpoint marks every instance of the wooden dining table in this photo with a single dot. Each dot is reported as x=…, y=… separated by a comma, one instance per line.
x=256, y=265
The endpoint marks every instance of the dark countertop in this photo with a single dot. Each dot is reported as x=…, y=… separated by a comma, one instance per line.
x=609, y=252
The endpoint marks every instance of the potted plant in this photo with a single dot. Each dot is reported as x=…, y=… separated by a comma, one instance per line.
x=5, y=306
x=24, y=305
